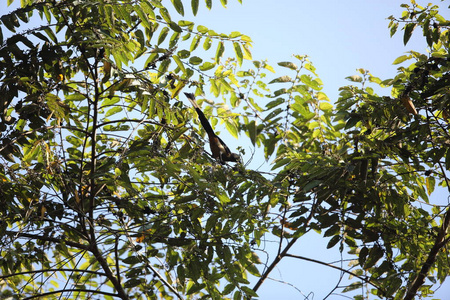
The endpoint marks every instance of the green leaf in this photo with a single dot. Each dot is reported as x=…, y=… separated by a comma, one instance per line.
x=401, y=59
x=143, y=17
x=237, y=295
x=232, y=128
x=281, y=79
x=131, y=260
x=207, y=43
x=75, y=97
x=248, y=291
x=163, y=35
x=353, y=286
x=325, y=106
x=147, y=8
x=362, y=255
x=431, y=183
x=179, y=63
x=288, y=64
x=334, y=240
x=281, y=163
x=394, y=286
x=133, y=282
x=228, y=288
x=112, y=111
x=251, y=129
x=274, y=103
x=252, y=269
x=194, y=6
x=354, y=78
x=195, y=42
x=333, y=230
x=352, y=121
x=202, y=29
x=178, y=6
x=193, y=287
x=312, y=83
x=235, y=34
x=174, y=26
x=195, y=60
x=164, y=67
x=409, y=28
x=219, y=52
x=30, y=154
x=393, y=30
x=312, y=184
x=208, y=4
x=207, y=66
x=238, y=51
x=183, y=54
x=165, y=14
x=374, y=255
x=174, y=40
x=51, y=34
x=269, y=147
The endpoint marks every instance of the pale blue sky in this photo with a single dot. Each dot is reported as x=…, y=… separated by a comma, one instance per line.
x=338, y=36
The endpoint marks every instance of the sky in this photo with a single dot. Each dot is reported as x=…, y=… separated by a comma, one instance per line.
x=339, y=37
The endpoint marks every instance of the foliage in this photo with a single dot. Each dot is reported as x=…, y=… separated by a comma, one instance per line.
x=107, y=192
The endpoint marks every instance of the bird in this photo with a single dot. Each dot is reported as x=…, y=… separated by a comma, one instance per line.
x=219, y=149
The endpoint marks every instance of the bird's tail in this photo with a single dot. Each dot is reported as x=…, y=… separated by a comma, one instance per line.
x=201, y=115
x=191, y=98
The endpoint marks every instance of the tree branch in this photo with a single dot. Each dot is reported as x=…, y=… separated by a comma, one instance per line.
x=274, y=263
x=98, y=255
x=48, y=239
x=51, y=270
x=365, y=279
x=71, y=290
x=439, y=243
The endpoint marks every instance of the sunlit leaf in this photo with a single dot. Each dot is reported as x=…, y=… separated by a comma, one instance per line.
x=179, y=63
x=195, y=60
x=208, y=4
x=165, y=14
x=281, y=79
x=113, y=111
x=194, y=6
x=407, y=103
x=325, y=106
x=178, y=6
x=401, y=59
x=219, y=52
x=288, y=64
x=238, y=52
x=163, y=35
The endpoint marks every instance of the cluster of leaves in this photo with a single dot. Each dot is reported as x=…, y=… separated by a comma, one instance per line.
x=98, y=177
x=105, y=183
x=362, y=172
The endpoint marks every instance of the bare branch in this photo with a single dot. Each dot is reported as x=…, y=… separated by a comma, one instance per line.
x=71, y=290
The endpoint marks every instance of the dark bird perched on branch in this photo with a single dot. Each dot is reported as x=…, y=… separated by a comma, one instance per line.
x=219, y=149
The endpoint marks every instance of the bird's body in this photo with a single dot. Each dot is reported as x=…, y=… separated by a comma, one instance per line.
x=219, y=149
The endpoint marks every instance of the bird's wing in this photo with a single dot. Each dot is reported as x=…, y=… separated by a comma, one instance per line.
x=227, y=150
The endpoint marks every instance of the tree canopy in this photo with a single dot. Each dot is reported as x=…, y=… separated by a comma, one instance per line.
x=108, y=191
